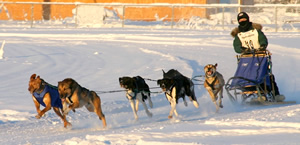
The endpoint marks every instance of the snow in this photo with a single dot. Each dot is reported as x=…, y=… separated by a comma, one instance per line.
x=97, y=57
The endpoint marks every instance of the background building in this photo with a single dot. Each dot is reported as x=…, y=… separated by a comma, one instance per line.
x=55, y=11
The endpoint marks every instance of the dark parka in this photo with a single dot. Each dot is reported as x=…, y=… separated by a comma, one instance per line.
x=263, y=41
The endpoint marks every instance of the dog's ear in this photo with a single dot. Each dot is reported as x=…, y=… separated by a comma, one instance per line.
x=32, y=76
x=163, y=71
x=216, y=64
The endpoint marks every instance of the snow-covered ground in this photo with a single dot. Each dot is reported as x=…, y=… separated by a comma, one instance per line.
x=97, y=57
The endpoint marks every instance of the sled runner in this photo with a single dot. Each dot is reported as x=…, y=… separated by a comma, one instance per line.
x=253, y=81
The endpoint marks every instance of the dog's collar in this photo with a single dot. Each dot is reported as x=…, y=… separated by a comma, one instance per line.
x=70, y=100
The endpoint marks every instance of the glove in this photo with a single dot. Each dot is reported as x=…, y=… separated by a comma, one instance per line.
x=262, y=48
x=244, y=48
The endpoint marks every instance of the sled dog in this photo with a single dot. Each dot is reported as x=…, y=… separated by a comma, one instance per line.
x=46, y=95
x=137, y=91
x=77, y=96
x=175, y=85
x=214, y=83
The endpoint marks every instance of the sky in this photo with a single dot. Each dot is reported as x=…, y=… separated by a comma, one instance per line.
x=97, y=57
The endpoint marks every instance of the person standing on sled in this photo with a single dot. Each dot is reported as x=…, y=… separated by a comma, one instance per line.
x=249, y=37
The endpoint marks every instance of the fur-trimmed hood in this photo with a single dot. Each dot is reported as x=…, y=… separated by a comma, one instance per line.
x=236, y=30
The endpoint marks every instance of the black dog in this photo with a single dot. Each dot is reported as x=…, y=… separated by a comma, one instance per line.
x=136, y=91
x=175, y=85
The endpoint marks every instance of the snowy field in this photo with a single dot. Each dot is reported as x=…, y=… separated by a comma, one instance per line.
x=97, y=57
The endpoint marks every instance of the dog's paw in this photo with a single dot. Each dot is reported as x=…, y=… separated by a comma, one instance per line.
x=217, y=109
x=65, y=113
x=196, y=104
x=185, y=104
x=221, y=106
x=67, y=110
x=150, y=104
x=136, y=118
x=67, y=124
x=38, y=116
x=149, y=114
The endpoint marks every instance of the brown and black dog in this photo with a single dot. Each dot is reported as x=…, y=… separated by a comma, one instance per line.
x=46, y=95
x=214, y=83
x=77, y=96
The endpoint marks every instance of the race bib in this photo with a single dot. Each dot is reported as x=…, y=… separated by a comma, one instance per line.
x=249, y=39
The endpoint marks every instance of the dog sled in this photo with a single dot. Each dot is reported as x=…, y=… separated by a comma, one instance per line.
x=253, y=81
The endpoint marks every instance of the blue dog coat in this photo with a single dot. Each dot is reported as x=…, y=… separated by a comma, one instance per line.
x=55, y=100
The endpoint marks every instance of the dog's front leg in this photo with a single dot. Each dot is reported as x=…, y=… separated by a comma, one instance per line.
x=137, y=105
x=173, y=106
x=221, y=97
x=71, y=107
x=37, y=106
x=150, y=102
x=66, y=108
x=140, y=98
x=219, y=90
x=132, y=103
x=47, y=101
x=173, y=109
x=131, y=99
x=63, y=117
x=213, y=97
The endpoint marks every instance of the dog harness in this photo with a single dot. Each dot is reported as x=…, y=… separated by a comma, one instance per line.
x=212, y=84
x=55, y=100
x=169, y=92
x=132, y=97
